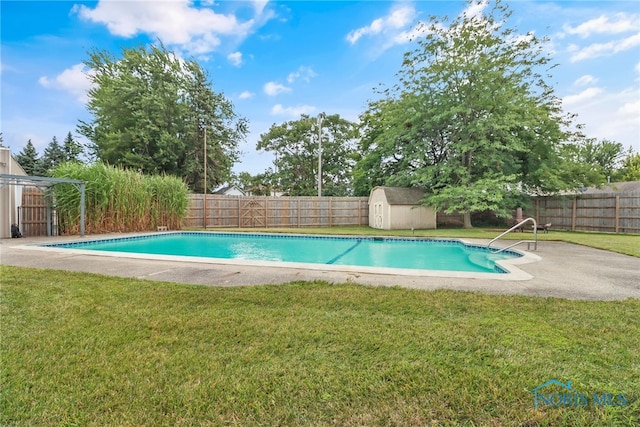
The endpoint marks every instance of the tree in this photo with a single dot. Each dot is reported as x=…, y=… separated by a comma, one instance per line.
x=28, y=159
x=596, y=161
x=472, y=119
x=151, y=111
x=258, y=185
x=53, y=156
x=630, y=170
x=606, y=154
x=295, y=144
x=72, y=149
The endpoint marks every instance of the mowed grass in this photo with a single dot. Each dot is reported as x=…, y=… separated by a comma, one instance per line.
x=89, y=350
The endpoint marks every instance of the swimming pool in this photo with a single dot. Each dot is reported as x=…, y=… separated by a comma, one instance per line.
x=417, y=254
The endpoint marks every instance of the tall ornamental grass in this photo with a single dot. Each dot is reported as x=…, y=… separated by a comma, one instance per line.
x=118, y=200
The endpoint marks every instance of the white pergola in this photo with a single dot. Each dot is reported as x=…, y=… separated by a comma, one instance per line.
x=47, y=182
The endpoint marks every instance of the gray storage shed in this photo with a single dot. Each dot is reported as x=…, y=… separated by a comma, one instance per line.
x=399, y=208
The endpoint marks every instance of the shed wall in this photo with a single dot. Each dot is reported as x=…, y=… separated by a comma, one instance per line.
x=404, y=217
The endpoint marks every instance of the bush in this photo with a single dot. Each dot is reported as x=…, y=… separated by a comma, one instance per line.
x=118, y=200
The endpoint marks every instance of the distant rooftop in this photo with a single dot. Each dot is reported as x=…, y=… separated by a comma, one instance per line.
x=615, y=187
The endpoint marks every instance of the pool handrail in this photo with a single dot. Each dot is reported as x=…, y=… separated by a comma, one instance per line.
x=515, y=227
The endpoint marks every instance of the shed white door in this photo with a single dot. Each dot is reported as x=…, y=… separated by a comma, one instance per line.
x=377, y=215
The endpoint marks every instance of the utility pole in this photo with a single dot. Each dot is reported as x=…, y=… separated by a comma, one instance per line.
x=320, y=117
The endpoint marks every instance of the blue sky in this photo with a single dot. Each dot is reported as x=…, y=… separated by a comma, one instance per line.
x=277, y=60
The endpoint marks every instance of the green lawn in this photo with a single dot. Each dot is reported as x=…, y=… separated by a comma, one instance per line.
x=87, y=350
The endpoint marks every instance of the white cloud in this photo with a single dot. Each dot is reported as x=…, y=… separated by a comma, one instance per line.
x=294, y=112
x=235, y=58
x=411, y=34
x=608, y=115
x=605, y=49
x=73, y=80
x=6, y=68
x=174, y=22
x=304, y=73
x=582, y=97
x=585, y=80
x=631, y=108
x=475, y=10
x=621, y=124
x=619, y=23
x=274, y=88
x=246, y=95
x=259, y=5
x=400, y=16
x=373, y=28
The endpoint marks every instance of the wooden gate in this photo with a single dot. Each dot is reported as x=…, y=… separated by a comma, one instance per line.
x=253, y=213
x=33, y=212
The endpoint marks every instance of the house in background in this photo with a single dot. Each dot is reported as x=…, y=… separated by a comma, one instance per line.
x=398, y=208
x=229, y=190
x=615, y=188
x=10, y=195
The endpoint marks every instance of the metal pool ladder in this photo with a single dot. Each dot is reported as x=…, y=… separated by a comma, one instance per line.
x=528, y=242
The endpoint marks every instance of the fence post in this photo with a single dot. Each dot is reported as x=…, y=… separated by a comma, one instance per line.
x=617, y=214
x=573, y=214
x=330, y=211
x=204, y=209
x=47, y=199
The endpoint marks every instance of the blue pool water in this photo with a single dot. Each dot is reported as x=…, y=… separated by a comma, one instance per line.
x=421, y=254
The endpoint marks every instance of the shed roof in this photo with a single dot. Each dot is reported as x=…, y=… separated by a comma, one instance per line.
x=402, y=195
x=615, y=187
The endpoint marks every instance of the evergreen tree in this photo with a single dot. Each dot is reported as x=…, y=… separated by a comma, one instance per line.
x=52, y=157
x=72, y=149
x=28, y=159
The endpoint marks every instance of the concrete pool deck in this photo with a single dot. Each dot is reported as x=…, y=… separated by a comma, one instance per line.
x=564, y=270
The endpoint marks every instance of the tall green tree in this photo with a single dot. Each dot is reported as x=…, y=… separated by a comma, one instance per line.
x=151, y=111
x=28, y=159
x=72, y=149
x=295, y=144
x=52, y=156
x=472, y=119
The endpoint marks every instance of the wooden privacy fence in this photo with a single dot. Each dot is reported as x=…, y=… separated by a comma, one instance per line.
x=262, y=212
x=606, y=212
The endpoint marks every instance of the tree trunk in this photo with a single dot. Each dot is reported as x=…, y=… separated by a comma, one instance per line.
x=467, y=220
